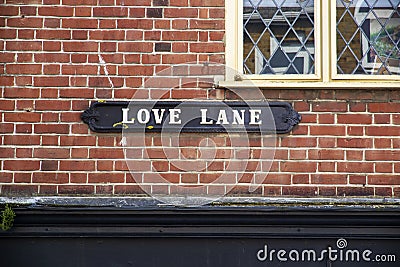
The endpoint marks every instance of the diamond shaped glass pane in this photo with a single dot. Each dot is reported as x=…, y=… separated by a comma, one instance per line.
x=278, y=37
x=368, y=35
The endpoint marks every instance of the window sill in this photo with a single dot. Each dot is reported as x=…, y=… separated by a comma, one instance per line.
x=395, y=85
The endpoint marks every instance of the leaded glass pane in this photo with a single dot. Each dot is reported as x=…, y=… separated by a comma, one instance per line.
x=368, y=35
x=278, y=37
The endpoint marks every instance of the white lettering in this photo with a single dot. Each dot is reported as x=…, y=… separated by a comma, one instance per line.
x=331, y=256
x=125, y=115
x=366, y=254
x=296, y=253
x=262, y=254
x=157, y=116
x=237, y=118
x=354, y=254
x=255, y=116
x=204, y=117
x=174, y=116
x=281, y=255
x=222, y=119
x=143, y=116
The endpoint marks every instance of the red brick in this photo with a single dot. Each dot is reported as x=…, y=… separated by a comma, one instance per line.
x=298, y=142
x=329, y=106
x=180, y=12
x=135, y=47
x=128, y=190
x=106, y=177
x=174, y=59
x=180, y=24
x=135, y=24
x=51, y=153
x=382, y=155
x=298, y=166
x=7, y=104
x=384, y=167
x=8, y=33
x=207, y=24
x=77, y=165
x=74, y=23
x=384, y=179
x=382, y=118
x=79, y=69
x=107, y=35
x=188, y=94
x=52, y=128
x=206, y=47
x=75, y=189
x=328, y=130
x=135, y=70
x=383, y=131
x=104, y=82
x=23, y=128
x=52, y=105
x=110, y=12
x=326, y=154
x=357, y=179
x=354, y=118
x=6, y=152
x=106, y=153
x=51, y=81
x=354, y=142
x=52, y=58
x=355, y=130
x=137, y=12
x=207, y=3
x=299, y=190
x=80, y=46
x=22, y=117
x=52, y=23
x=329, y=179
x=162, y=24
x=384, y=107
x=178, y=3
x=21, y=165
x=60, y=11
x=47, y=189
x=217, y=13
x=53, y=34
x=83, y=12
x=382, y=143
x=21, y=140
x=26, y=34
x=355, y=191
x=22, y=177
x=179, y=36
x=7, y=57
x=355, y=167
x=354, y=155
x=50, y=178
x=24, y=68
x=27, y=22
x=19, y=190
x=326, y=166
x=77, y=140
x=24, y=45
x=396, y=119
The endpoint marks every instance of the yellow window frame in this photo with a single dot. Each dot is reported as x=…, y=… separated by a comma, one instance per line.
x=325, y=76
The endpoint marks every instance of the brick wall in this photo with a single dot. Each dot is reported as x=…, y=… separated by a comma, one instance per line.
x=55, y=58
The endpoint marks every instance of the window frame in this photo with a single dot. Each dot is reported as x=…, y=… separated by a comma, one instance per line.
x=325, y=57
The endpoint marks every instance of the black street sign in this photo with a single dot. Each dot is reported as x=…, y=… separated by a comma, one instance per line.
x=191, y=116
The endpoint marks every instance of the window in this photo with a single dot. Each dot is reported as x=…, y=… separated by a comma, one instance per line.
x=313, y=43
